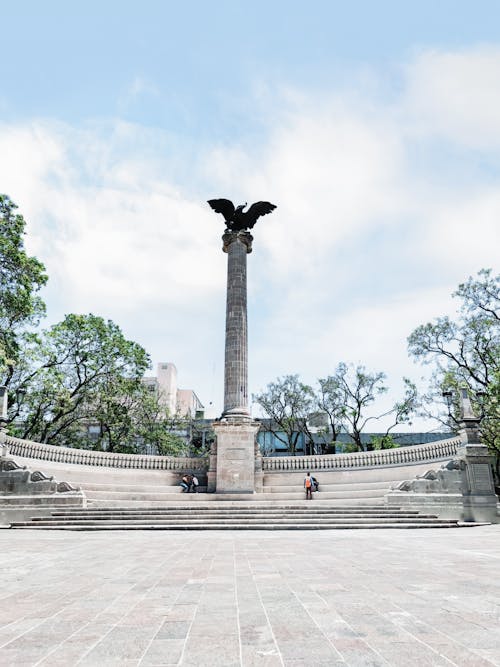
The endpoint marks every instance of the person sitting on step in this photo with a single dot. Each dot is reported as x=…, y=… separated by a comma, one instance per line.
x=185, y=483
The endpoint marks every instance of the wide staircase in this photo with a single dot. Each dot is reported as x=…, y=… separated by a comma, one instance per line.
x=141, y=495
x=241, y=515
x=139, y=492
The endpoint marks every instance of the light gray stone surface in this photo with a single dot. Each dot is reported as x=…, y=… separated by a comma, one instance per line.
x=403, y=598
x=235, y=456
x=237, y=245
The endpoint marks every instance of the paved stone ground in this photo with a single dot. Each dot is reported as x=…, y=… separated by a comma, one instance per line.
x=352, y=598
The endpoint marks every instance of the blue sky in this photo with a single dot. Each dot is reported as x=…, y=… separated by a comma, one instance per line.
x=375, y=127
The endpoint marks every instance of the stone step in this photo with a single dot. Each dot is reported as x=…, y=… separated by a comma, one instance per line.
x=195, y=520
x=226, y=501
x=240, y=515
x=335, y=490
x=244, y=526
x=138, y=489
x=270, y=486
x=237, y=516
x=90, y=487
x=223, y=501
x=277, y=494
x=359, y=502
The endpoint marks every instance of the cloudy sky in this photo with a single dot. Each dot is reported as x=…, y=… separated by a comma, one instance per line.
x=374, y=127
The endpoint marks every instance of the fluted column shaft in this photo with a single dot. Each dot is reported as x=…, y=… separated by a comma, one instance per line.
x=237, y=245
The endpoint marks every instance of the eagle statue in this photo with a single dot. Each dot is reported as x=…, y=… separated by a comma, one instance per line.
x=236, y=218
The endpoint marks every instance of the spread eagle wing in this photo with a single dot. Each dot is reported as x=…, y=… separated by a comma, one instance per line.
x=256, y=210
x=223, y=206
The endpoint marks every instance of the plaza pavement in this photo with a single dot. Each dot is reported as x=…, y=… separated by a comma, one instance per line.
x=352, y=598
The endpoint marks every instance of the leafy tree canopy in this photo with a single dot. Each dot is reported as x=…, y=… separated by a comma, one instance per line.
x=21, y=277
x=465, y=352
x=344, y=397
x=348, y=395
x=79, y=371
x=288, y=403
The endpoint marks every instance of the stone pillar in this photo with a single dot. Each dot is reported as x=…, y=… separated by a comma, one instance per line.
x=3, y=421
x=236, y=245
x=212, y=469
x=234, y=453
x=478, y=489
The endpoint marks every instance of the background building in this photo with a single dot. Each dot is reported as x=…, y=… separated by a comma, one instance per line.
x=272, y=441
x=182, y=402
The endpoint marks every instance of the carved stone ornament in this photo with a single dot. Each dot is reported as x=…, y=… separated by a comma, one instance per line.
x=447, y=479
x=64, y=487
x=39, y=476
x=8, y=465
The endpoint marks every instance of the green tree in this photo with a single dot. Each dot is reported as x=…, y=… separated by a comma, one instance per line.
x=156, y=428
x=331, y=401
x=78, y=372
x=21, y=277
x=465, y=351
x=288, y=403
x=202, y=436
x=352, y=390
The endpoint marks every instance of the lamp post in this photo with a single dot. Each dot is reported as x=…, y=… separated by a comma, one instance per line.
x=468, y=421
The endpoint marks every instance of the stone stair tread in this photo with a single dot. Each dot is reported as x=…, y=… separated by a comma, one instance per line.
x=260, y=526
x=99, y=496
x=293, y=502
x=249, y=524
x=198, y=519
x=239, y=516
x=333, y=486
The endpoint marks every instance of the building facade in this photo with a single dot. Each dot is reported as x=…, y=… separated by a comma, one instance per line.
x=181, y=402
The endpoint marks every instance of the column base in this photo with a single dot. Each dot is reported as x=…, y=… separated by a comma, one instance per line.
x=236, y=415
x=235, y=454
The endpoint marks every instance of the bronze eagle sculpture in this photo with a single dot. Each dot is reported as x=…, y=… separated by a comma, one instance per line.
x=236, y=218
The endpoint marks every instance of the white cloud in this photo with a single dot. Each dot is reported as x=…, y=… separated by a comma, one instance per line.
x=376, y=222
x=106, y=230
x=456, y=95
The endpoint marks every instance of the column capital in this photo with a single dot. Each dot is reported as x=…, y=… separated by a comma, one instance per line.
x=243, y=236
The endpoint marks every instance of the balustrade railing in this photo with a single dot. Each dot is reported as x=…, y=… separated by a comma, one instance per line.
x=432, y=451
x=42, y=452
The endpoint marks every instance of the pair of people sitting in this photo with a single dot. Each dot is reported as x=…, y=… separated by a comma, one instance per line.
x=189, y=484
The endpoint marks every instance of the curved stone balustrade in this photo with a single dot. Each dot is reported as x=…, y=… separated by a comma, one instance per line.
x=432, y=451
x=42, y=452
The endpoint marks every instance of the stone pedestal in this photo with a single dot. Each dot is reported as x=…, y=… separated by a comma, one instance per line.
x=478, y=490
x=212, y=468
x=236, y=462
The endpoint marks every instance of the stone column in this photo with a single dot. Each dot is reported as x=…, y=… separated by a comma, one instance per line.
x=237, y=245
x=234, y=453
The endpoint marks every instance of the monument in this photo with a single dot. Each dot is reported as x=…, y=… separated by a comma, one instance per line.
x=235, y=464
x=462, y=488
